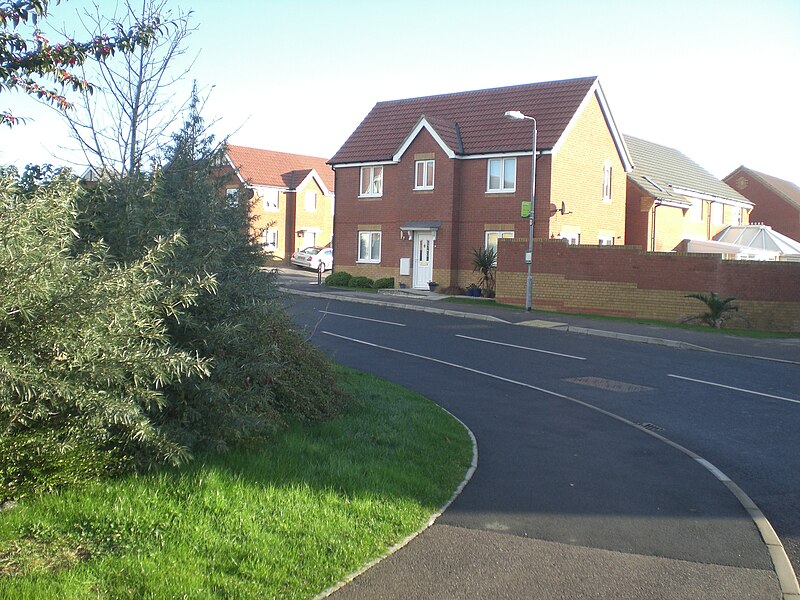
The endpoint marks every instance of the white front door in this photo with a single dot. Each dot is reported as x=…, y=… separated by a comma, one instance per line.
x=423, y=259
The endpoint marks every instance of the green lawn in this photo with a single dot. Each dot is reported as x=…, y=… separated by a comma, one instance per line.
x=285, y=521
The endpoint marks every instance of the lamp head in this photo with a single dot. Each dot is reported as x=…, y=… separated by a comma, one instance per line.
x=514, y=115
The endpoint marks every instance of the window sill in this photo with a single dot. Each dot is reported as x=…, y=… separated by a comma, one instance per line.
x=370, y=197
x=368, y=262
x=501, y=192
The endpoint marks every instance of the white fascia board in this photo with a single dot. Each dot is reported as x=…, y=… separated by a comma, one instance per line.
x=236, y=170
x=315, y=176
x=597, y=92
x=373, y=163
x=422, y=124
x=673, y=202
x=711, y=197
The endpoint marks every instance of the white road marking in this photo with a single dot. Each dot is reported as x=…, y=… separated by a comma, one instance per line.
x=730, y=387
x=467, y=337
x=327, y=312
x=780, y=560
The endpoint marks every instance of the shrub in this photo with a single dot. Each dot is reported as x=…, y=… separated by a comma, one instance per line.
x=84, y=348
x=483, y=262
x=384, y=283
x=719, y=309
x=361, y=282
x=339, y=279
x=260, y=362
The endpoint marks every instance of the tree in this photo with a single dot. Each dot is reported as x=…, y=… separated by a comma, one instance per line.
x=265, y=374
x=128, y=118
x=85, y=353
x=34, y=66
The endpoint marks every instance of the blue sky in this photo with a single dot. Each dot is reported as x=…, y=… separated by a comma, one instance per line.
x=715, y=79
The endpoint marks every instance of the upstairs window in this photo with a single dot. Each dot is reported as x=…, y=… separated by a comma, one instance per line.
x=232, y=197
x=696, y=211
x=573, y=239
x=717, y=213
x=607, y=181
x=501, y=175
x=371, y=181
x=311, y=201
x=605, y=240
x=269, y=198
x=423, y=174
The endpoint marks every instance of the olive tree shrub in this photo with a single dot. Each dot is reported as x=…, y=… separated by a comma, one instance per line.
x=85, y=352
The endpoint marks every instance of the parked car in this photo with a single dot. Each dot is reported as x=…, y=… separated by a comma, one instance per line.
x=314, y=258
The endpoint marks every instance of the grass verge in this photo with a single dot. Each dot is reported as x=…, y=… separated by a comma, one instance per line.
x=285, y=521
x=738, y=331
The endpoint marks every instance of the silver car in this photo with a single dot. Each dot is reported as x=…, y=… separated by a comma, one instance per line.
x=314, y=258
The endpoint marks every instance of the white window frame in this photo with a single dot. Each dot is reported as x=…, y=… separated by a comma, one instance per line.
x=371, y=186
x=370, y=236
x=499, y=234
x=424, y=172
x=573, y=239
x=605, y=240
x=717, y=213
x=269, y=240
x=607, y=174
x=232, y=197
x=269, y=201
x=502, y=189
x=696, y=210
x=311, y=201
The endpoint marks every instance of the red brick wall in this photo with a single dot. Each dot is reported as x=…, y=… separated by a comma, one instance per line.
x=770, y=208
x=625, y=281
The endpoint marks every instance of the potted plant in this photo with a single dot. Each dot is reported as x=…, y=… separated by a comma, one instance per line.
x=473, y=290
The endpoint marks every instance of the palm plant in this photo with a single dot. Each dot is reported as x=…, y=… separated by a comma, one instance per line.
x=484, y=261
x=719, y=309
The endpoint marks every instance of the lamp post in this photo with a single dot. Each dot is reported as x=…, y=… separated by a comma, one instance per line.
x=515, y=115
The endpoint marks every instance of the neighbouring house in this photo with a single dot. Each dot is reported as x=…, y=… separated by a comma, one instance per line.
x=675, y=204
x=777, y=202
x=422, y=182
x=294, y=197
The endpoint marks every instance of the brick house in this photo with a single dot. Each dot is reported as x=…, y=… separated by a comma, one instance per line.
x=777, y=202
x=294, y=197
x=675, y=204
x=422, y=182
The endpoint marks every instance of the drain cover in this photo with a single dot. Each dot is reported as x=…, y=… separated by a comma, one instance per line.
x=650, y=426
x=609, y=384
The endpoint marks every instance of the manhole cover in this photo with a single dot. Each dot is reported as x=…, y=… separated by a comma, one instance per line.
x=609, y=384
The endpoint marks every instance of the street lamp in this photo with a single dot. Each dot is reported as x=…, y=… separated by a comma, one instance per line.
x=515, y=115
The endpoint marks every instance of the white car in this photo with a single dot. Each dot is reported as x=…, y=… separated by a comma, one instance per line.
x=316, y=259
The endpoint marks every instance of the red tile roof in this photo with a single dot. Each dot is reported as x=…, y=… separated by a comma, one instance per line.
x=789, y=191
x=278, y=169
x=469, y=122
